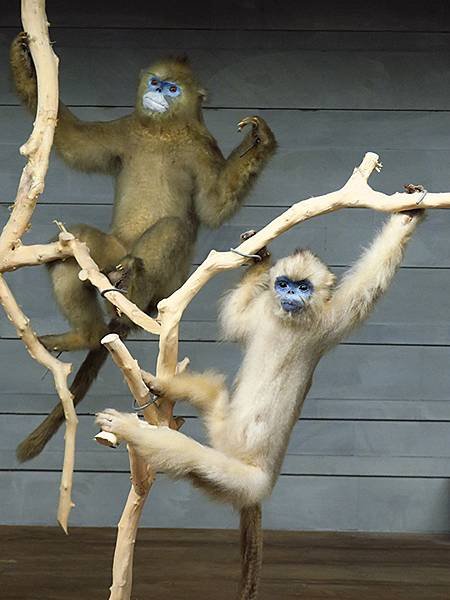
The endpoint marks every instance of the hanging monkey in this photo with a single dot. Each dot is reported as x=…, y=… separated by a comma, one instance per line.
x=287, y=316
x=170, y=177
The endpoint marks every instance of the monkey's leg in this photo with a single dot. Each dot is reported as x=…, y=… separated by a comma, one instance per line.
x=205, y=391
x=177, y=455
x=77, y=300
x=159, y=261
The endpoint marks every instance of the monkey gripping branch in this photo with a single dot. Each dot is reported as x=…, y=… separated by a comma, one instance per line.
x=13, y=254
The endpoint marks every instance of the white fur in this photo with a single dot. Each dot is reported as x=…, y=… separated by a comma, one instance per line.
x=250, y=430
x=155, y=102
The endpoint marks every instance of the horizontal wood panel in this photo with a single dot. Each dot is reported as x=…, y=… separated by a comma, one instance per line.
x=359, y=448
x=308, y=70
x=317, y=153
x=398, y=15
x=339, y=503
x=314, y=408
x=293, y=465
x=349, y=373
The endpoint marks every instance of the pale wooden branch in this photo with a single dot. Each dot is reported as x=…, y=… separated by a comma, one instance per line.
x=60, y=373
x=33, y=255
x=90, y=272
x=68, y=246
x=132, y=374
x=37, y=150
x=356, y=193
x=142, y=477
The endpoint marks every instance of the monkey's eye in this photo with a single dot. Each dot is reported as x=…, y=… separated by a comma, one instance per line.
x=154, y=81
x=282, y=284
x=304, y=287
x=172, y=89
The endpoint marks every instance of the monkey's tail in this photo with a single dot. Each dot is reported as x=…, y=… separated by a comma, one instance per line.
x=33, y=445
x=251, y=551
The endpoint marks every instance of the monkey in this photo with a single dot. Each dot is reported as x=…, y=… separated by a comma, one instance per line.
x=170, y=177
x=287, y=316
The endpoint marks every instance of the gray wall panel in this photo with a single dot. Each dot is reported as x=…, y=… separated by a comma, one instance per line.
x=302, y=71
x=370, y=451
x=399, y=317
x=351, y=372
x=317, y=152
x=338, y=237
x=302, y=502
x=317, y=447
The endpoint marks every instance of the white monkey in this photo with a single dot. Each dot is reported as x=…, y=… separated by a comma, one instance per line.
x=287, y=316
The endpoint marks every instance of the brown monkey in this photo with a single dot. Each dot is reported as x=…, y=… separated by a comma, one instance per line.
x=287, y=316
x=170, y=177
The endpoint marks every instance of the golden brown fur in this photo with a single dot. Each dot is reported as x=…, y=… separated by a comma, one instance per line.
x=170, y=177
x=249, y=430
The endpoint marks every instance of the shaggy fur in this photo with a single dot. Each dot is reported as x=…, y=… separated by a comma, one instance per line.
x=170, y=176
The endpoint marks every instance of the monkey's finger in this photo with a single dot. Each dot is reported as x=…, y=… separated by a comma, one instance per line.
x=156, y=388
x=253, y=121
x=247, y=234
x=147, y=377
x=264, y=253
x=111, y=412
x=103, y=422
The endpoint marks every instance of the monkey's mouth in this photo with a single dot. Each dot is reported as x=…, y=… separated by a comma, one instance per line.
x=151, y=103
x=291, y=306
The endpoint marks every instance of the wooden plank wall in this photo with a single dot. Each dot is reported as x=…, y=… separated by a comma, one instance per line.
x=371, y=450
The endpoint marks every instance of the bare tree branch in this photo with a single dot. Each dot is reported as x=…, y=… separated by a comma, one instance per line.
x=37, y=150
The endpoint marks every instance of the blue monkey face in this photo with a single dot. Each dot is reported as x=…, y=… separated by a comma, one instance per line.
x=293, y=295
x=160, y=94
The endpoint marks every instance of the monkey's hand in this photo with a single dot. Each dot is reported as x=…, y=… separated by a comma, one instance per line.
x=263, y=253
x=22, y=68
x=414, y=213
x=260, y=135
x=123, y=425
x=123, y=275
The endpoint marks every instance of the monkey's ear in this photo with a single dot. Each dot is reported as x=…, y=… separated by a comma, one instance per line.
x=331, y=280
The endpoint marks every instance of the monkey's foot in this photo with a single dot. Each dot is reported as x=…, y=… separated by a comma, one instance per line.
x=156, y=385
x=70, y=341
x=121, y=424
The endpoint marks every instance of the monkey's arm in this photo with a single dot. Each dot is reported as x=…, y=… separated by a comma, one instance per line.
x=222, y=184
x=90, y=147
x=236, y=313
x=370, y=277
